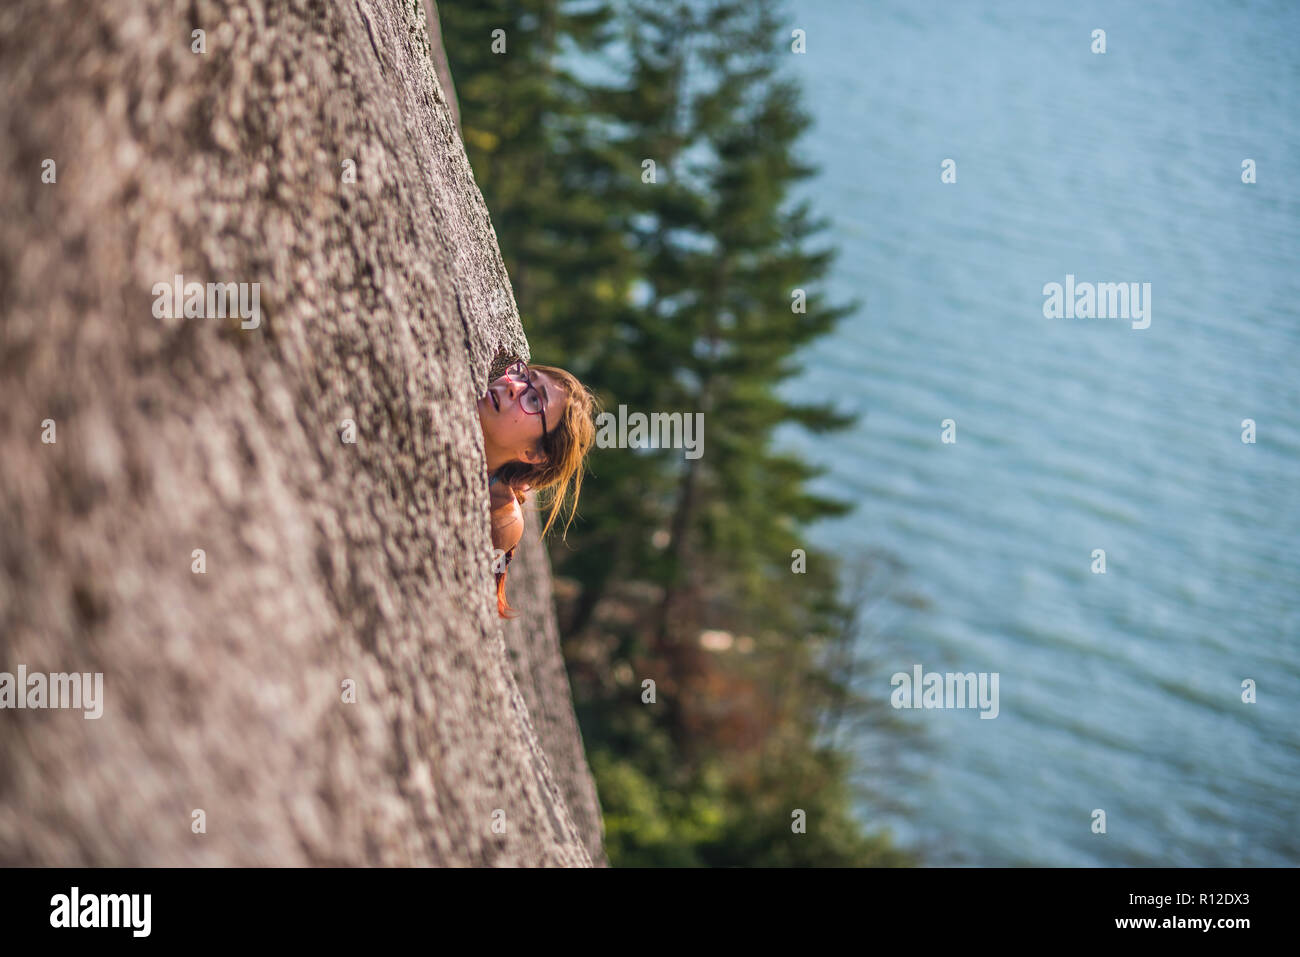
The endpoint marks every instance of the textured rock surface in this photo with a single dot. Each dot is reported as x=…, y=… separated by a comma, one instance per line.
x=439, y=56
x=384, y=302
x=533, y=643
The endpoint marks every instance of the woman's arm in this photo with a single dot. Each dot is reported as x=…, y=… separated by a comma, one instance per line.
x=507, y=518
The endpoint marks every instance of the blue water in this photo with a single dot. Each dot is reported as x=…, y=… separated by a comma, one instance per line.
x=1120, y=691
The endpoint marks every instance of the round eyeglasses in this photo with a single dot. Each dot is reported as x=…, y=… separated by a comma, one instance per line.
x=531, y=400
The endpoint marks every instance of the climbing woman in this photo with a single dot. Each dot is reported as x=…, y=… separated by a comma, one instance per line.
x=538, y=426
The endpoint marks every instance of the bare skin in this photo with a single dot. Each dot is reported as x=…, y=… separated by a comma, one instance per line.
x=507, y=519
x=510, y=434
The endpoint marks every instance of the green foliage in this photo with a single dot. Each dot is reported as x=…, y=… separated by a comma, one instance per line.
x=676, y=295
x=707, y=822
x=650, y=825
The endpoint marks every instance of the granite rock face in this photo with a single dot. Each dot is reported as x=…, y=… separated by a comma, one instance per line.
x=533, y=646
x=243, y=521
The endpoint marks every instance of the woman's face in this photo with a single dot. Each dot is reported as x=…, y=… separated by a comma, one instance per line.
x=509, y=431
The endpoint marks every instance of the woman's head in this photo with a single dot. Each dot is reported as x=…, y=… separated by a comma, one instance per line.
x=538, y=432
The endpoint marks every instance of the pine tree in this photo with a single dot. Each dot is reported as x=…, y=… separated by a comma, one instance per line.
x=669, y=288
x=724, y=248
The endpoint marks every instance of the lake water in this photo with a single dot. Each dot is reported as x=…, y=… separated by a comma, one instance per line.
x=1118, y=691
